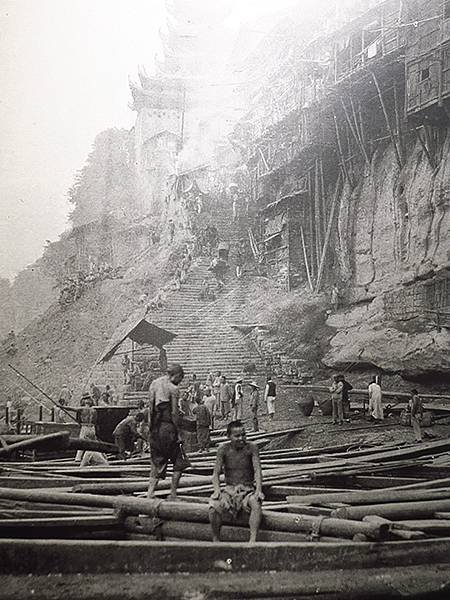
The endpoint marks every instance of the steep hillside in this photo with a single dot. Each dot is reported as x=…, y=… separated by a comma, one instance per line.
x=64, y=344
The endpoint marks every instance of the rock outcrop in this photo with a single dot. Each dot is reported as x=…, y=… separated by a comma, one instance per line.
x=393, y=234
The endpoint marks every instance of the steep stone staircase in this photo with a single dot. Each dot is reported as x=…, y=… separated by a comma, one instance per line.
x=205, y=338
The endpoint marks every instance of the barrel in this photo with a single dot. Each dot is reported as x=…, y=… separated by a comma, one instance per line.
x=326, y=407
x=306, y=405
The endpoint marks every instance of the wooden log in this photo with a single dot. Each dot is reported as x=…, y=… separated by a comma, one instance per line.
x=291, y=490
x=324, y=525
x=398, y=533
x=427, y=525
x=380, y=481
x=308, y=510
x=37, y=514
x=33, y=482
x=63, y=521
x=371, y=497
x=53, y=440
x=72, y=443
x=202, y=531
x=125, y=486
x=434, y=483
x=395, y=511
x=196, y=512
x=402, y=534
x=93, y=445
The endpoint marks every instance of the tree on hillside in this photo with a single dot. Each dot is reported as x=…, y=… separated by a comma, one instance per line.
x=105, y=186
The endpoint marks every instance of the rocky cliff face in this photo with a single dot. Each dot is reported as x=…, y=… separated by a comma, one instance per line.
x=393, y=233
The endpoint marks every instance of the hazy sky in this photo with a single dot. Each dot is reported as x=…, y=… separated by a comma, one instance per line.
x=64, y=67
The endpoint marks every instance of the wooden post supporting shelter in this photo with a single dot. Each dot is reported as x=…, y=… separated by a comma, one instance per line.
x=317, y=211
x=328, y=233
x=386, y=117
x=425, y=149
x=311, y=226
x=354, y=129
x=305, y=257
x=341, y=152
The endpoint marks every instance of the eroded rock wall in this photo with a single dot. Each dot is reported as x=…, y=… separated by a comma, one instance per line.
x=393, y=229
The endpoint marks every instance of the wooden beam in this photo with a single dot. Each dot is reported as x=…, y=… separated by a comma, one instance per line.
x=305, y=257
x=264, y=159
x=425, y=149
x=328, y=233
x=355, y=133
x=386, y=117
x=317, y=211
x=311, y=227
x=341, y=152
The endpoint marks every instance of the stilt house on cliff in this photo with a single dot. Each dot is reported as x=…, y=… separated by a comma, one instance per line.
x=333, y=103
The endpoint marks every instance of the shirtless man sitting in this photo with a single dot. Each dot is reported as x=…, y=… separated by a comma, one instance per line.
x=240, y=462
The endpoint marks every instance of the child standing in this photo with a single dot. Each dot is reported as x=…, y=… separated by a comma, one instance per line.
x=203, y=421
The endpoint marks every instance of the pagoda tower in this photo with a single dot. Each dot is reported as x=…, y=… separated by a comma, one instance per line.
x=171, y=102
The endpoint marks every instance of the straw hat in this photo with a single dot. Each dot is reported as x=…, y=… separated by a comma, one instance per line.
x=254, y=384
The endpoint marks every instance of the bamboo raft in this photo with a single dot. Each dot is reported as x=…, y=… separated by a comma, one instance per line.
x=365, y=521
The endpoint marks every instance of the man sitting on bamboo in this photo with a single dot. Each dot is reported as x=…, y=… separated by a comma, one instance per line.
x=240, y=462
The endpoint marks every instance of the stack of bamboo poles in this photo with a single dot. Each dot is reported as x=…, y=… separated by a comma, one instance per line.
x=328, y=494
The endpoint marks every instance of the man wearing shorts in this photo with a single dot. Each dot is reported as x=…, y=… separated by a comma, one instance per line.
x=240, y=462
x=165, y=445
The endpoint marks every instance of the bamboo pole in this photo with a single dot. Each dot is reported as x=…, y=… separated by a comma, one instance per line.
x=54, y=439
x=317, y=211
x=371, y=497
x=202, y=531
x=64, y=409
x=355, y=133
x=398, y=124
x=386, y=117
x=394, y=510
x=328, y=234
x=323, y=197
x=311, y=227
x=305, y=256
x=199, y=512
x=341, y=152
x=425, y=149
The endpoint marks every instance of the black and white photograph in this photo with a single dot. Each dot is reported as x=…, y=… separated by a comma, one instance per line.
x=224, y=299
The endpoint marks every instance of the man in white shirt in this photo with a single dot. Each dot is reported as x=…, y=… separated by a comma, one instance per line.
x=375, y=400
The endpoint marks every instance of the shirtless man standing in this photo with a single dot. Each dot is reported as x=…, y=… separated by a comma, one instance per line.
x=165, y=445
x=240, y=462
